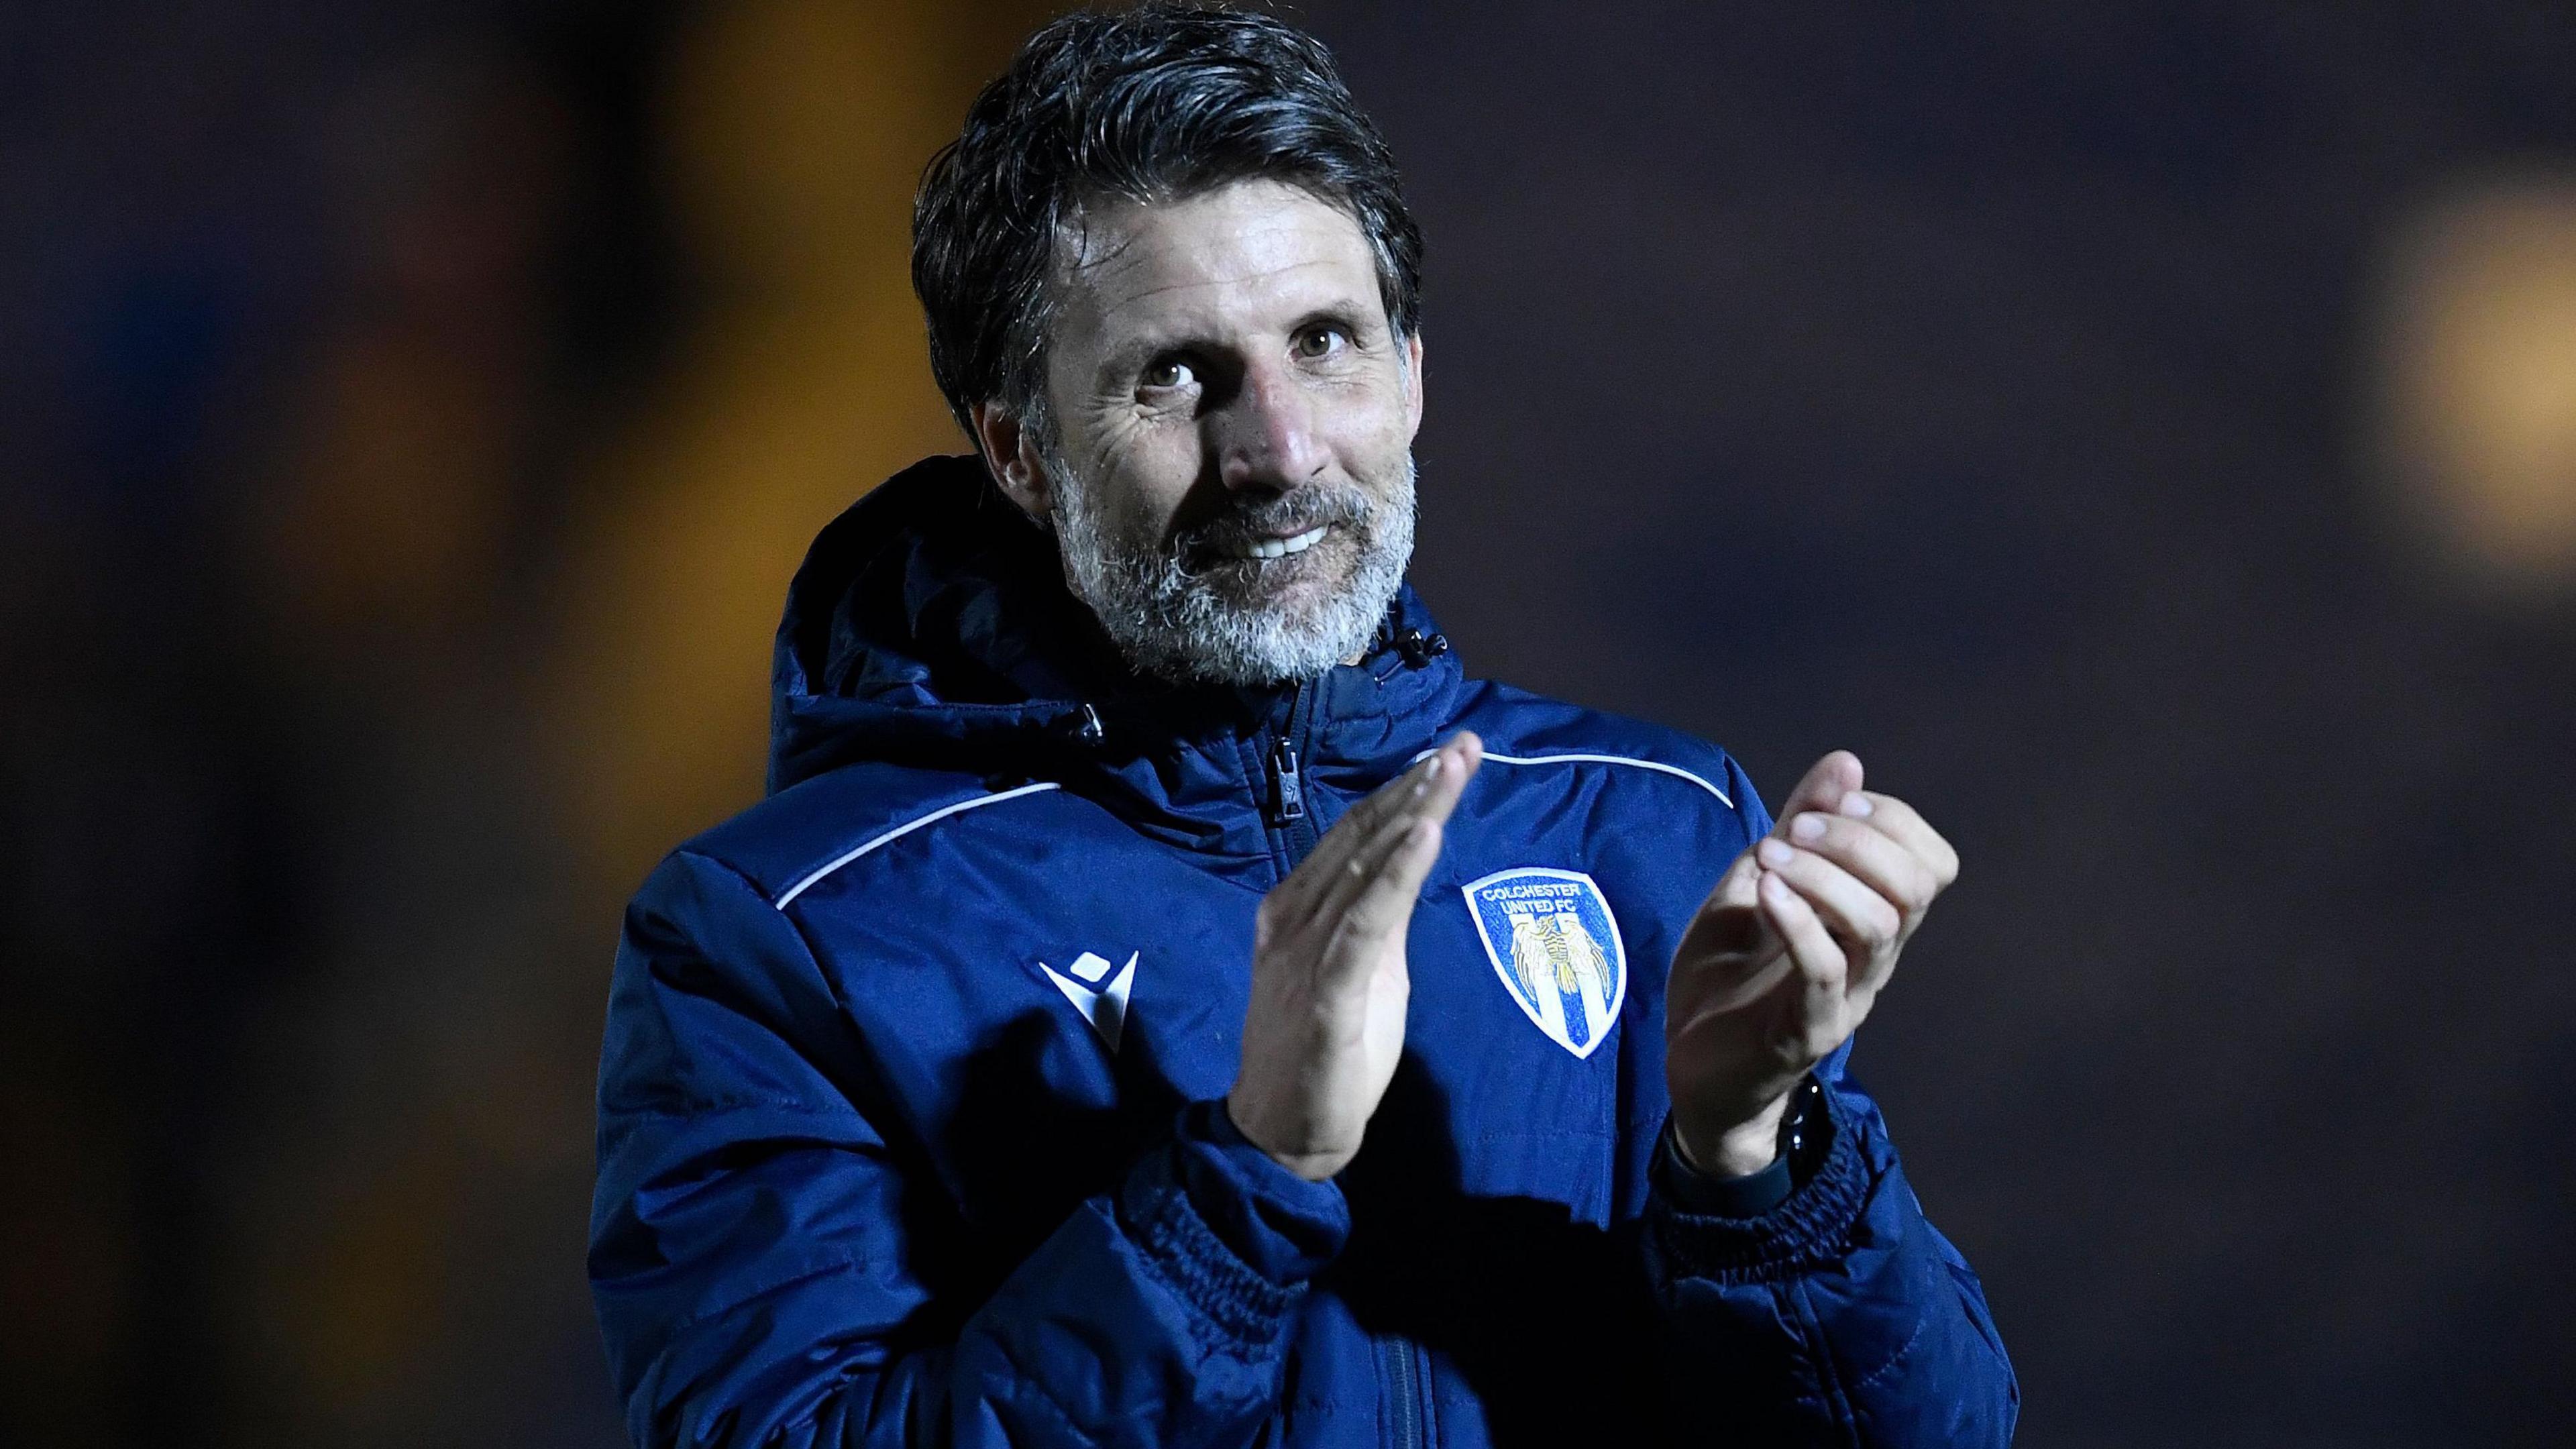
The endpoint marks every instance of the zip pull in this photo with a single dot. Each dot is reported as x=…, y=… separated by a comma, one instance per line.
x=1287, y=787
x=1082, y=729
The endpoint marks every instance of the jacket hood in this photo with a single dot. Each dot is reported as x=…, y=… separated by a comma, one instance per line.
x=930, y=625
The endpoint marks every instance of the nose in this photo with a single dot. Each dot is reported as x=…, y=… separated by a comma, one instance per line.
x=1265, y=435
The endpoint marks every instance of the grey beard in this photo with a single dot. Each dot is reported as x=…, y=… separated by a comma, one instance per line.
x=1173, y=625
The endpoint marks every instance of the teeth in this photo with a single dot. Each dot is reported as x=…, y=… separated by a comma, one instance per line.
x=1282, y=547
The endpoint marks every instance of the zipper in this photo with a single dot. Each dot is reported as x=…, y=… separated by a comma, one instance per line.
x=1287, y=786
x=1404, y=1414
x=1288, y=779
x=1398, y=1367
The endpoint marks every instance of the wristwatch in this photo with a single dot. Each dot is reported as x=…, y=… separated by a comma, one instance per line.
x=1805, y=1135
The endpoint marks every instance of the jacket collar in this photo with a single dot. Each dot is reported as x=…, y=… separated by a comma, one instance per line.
x=930, y=625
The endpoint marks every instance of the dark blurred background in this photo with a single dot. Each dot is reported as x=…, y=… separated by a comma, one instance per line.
x=2146, y=433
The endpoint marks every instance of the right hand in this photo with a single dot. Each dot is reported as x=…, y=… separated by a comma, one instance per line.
x=1325, y=1026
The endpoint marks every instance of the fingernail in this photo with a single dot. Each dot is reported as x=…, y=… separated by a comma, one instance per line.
x=1773, y=853
x=1774, y=884
x=1857, y=806
x=1807, y=827
x=1439, y=762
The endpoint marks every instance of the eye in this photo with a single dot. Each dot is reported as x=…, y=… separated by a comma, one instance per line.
x=1165, y=373
x=1317, y=342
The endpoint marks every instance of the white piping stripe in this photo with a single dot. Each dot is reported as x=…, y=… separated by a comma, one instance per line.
x=942, y=813
x=1603, y=760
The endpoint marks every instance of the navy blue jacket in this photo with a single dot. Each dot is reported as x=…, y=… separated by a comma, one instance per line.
x=910, y=1120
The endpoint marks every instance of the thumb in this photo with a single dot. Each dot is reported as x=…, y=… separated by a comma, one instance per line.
x=1823, y=787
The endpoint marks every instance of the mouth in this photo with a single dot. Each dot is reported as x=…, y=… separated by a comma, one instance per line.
x=1268, y=548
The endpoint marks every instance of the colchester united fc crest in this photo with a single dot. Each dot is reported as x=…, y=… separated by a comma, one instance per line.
x=1554, y=942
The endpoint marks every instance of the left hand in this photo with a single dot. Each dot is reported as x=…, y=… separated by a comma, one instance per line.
x=1786, y=956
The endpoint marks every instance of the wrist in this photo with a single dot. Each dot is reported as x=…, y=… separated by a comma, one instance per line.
x=1737, y=1150
x=1314, y=1165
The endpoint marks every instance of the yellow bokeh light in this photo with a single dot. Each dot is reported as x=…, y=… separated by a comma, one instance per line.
x=2480, y=373
x=794, y=133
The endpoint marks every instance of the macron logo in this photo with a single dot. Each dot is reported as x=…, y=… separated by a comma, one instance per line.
x=1105, y=1007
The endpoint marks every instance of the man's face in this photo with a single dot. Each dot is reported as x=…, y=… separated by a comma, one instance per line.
x=1231, y=478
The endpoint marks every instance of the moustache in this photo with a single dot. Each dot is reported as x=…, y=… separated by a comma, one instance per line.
x=1222, y=538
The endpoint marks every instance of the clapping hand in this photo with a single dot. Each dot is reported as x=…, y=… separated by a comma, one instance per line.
x=1325, y=1026
x=1787, y=955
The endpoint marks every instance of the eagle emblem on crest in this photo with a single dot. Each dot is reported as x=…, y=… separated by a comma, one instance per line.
x=1556, y=946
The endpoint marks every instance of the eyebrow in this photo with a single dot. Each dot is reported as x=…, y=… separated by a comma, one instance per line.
x=1134, y=354
x=1358, y=319
x=1361, y=322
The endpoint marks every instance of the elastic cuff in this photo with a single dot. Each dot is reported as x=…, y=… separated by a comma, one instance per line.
x=1285, y=1227
x=1806, y=1228
x=1235, y=1232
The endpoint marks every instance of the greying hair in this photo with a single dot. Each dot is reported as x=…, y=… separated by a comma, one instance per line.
x=1154, y=104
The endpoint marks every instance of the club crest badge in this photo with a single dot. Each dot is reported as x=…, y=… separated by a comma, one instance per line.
x=1554, y=942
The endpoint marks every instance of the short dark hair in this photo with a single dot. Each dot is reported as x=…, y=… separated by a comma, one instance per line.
x=1153, y=104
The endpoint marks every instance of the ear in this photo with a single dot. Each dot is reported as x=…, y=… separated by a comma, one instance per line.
x=1011, y=455
x=1412, y=385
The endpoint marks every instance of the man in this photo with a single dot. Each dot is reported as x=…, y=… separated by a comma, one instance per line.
x=1164, y=1001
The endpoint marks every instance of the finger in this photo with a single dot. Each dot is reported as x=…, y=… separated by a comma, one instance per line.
x=1431, y=786
x=1820, y=962
x=1905, y=879
x=1356, y=834
x=1385, y=904
x=1433, y=801
x=1903, y=824
x=1730, y=920
x=1853, y=911
x=1823, y=787
x=1363, y=870
x=1735, y=888
x=1382, y=806
x=1465, y=752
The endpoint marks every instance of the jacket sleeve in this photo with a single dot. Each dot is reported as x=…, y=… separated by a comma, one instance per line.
x=752, y=1271
x=1839, y=1316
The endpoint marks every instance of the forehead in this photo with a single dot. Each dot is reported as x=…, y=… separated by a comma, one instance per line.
x=1246, y=255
